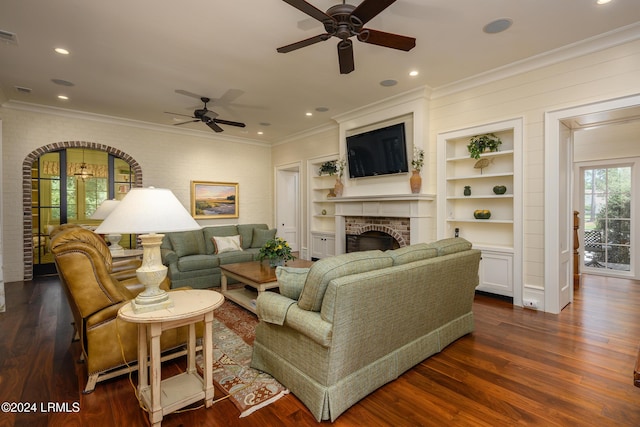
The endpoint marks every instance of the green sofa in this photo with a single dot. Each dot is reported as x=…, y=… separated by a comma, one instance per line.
x=192, y=258
x=354, y=322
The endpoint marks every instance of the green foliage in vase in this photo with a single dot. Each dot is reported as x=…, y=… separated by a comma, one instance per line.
x=277, y=248
x=480, y=143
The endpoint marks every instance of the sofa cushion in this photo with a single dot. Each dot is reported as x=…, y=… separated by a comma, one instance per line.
x=451, y=245
x=412, y=253
x=223, y=244
x=233, y=257
x=327, y=269
x=246, y=231
x=291, y=281
x=260, y=237
x=197, y=262
x=187, y=242
x=222, y=230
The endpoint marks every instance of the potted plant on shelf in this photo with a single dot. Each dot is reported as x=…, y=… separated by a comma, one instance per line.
x=328, y=168
x=277, y=251
x=417, y=163
x=478, y=144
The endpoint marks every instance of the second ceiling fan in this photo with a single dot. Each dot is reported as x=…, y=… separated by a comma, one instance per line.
x=345, y=21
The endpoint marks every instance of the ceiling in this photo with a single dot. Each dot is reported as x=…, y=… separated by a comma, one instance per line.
x=128, y=58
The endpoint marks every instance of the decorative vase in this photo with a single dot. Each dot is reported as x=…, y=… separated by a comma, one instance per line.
x=275, y=262
x=331, y=193
x=467, y=190
x=338, y=188
x=499, y=189
x=415, y=182
x=482, y=214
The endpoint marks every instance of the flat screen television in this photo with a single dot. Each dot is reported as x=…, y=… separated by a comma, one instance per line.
x=378, y=152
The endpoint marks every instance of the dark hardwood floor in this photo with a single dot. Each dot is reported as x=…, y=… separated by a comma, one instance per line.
x=519, y=367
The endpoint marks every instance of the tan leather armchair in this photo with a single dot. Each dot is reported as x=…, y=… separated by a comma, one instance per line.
x=85, y=265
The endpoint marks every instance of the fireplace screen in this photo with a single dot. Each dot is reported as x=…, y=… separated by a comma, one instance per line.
x=370, y=240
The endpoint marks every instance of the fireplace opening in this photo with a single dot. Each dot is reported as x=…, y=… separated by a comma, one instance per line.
x=370, y=240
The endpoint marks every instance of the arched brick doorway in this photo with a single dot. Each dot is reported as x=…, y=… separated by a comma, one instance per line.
x=27, y=222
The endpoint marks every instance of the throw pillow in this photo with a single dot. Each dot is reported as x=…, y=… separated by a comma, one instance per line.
x=187, y=242
x=291, y=281
x=223, y=244
x=260, y=237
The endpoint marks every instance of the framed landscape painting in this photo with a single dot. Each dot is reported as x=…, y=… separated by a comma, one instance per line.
x=214, y=199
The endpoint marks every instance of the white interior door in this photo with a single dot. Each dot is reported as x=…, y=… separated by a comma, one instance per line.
x=288, y=206
x=565, y=218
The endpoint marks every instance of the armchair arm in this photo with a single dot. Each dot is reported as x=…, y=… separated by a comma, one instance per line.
x=310, y=324
x=168, y=256
x=272, y=307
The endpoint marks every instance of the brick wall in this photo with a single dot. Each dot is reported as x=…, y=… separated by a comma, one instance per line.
x=398, y=228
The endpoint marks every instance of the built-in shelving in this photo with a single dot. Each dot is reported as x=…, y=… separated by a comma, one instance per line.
x=500, y=236
x=321, y=209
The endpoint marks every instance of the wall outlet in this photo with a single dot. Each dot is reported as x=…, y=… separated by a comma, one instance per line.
x=530, y=303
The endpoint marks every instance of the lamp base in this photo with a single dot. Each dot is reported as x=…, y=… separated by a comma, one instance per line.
x=114, y=240
x=145, y=304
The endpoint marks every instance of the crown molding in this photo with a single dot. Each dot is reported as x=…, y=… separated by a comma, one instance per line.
x=119, y=121
x=594, y=44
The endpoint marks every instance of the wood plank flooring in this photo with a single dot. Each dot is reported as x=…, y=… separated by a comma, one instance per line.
x=519, y=367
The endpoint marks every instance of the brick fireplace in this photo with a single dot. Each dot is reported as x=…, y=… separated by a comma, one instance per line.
x=406, y=218
x=397, y=229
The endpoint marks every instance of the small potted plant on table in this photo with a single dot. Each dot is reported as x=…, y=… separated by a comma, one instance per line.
x=277, y=251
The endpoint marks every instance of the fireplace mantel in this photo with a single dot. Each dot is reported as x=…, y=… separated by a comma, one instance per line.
x=419, y=208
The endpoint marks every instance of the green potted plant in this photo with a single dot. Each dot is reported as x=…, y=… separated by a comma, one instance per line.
x=478, y=144
x=328, y=168
x=277, y=251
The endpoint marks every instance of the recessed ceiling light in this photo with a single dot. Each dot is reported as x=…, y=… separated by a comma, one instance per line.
x=62, y=82
x=603, y=1
x=413, y=73
x=260, y=132
x=61, y=51
x=388, y=83
x=497, y=26
x=309, y=114
x=322, y=109
x=63, y=97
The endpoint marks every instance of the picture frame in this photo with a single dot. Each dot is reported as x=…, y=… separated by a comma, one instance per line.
x=211, y=200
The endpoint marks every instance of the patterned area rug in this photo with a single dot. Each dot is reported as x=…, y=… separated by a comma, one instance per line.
x=233, y=334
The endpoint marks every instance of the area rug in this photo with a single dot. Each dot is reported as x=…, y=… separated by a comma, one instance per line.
x=248, y=389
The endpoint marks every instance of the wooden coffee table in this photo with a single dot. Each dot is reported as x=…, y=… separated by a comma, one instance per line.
x=256, y=274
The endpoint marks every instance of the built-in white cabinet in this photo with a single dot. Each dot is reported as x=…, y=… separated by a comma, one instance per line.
x=500, y=236
x=322, y=245
x=321, y=209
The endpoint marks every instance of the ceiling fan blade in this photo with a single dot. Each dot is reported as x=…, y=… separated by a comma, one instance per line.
x=368, y=9
x=345, y=56
x=228, y=97
x=212, y=124
x=304, y=43
x=382, y=38
x=309, y=9
x=187, y=93
x=188, y=121
x=230, y=123
x=179, y=114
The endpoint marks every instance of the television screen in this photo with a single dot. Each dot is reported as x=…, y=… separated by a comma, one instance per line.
x=378, y=152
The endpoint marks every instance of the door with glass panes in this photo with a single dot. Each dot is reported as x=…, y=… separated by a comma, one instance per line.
x=67, y=186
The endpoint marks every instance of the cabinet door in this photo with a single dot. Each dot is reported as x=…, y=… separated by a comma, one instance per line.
x=317, y=246
x=330, y=245
x=496, y=273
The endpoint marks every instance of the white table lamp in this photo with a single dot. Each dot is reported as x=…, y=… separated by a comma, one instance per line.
x=147, y=211
x=103, y=212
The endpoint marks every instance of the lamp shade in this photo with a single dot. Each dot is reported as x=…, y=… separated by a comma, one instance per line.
x=105, y=209
x=148, y=210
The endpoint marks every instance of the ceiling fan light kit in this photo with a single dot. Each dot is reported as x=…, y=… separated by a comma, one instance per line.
x=345, y=21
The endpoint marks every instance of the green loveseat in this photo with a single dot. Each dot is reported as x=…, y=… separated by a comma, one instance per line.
x=354, y=322
x=191, y=255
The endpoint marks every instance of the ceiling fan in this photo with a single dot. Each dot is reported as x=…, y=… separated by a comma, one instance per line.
x=345, y=21
x=208, y=117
